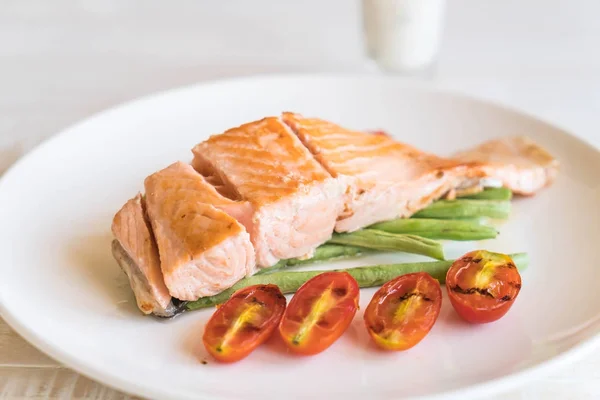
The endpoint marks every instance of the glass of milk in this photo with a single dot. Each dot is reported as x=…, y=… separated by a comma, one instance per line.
x=403, y=36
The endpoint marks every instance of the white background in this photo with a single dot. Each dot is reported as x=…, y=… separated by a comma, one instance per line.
x=61, y=61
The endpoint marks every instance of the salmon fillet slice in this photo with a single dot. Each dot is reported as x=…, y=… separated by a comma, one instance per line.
x=203, y=250
x=384, y=179
x=515, y=162
x=295, y=201
x=135, y=250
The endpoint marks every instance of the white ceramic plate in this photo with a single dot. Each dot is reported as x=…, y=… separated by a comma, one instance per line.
x=61, y=289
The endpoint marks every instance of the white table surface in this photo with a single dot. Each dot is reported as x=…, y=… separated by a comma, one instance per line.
x=61, y=61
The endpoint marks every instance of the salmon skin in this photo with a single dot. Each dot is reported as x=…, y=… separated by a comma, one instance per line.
x=203, y=250
x=384, y=179
x=135, y=250
x=295, y=201
x=515, y=162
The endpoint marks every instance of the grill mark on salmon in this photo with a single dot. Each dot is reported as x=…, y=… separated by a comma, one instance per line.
x=267, y=165
x=203, y=250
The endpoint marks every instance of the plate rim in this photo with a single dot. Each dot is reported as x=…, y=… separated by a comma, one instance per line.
x=488, y=387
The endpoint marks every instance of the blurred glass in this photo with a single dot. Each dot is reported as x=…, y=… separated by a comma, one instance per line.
x=403, y=36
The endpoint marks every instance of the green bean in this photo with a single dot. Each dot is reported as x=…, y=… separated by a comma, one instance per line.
x=461, y=208
x=437, y=229
x=379, y=240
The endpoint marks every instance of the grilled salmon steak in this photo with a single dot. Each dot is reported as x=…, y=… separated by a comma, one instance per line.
x=295, y=201
x=384, y=179
x=203, y=250
x=135, y=250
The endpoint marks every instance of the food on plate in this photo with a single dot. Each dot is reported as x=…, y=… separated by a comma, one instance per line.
x=384, y=178
x=269, y=194
x=203, y=250
x=320, y=312
x=482, y=286
x=370, y=276
x=288, y=191
x=264, y=163
x=135, y=250
x=403, y=311
x=516, y=163
x=244, y=322
x=380, y=240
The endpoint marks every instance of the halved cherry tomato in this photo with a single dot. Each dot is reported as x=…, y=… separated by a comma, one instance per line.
x=482, y=285
x=244, y=322
x=320, y=312
x=403, y=311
